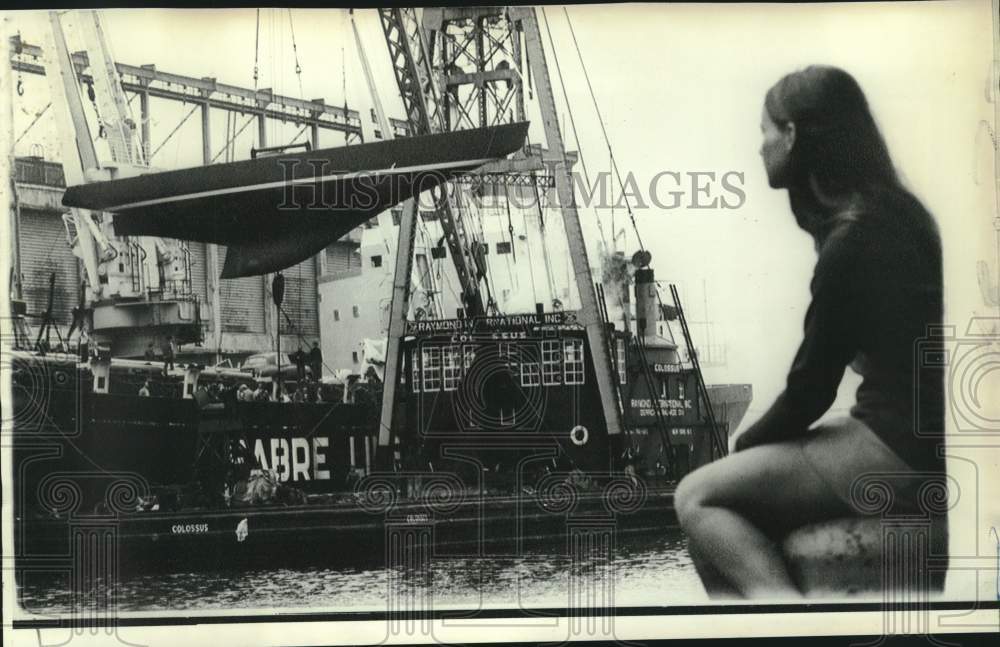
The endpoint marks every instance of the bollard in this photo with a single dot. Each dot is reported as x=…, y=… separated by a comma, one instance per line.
x=867, y=556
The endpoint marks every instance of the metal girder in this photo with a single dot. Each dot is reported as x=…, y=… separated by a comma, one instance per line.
x=407, y=52
x=146, y=79
x=478, y=52
x=508, y=179
x=589, y=314
x=415, y=80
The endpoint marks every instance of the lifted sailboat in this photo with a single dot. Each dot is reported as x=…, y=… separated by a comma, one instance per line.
x=275, y=211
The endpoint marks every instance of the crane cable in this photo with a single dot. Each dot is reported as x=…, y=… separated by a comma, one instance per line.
x=531, y=273
x=295, y=53
x=343, y=71
x=624, y=195
x=256, y=53
x=607, y=140
x=572, y=121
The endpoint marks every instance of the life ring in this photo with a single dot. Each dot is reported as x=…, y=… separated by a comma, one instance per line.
x=579, y=435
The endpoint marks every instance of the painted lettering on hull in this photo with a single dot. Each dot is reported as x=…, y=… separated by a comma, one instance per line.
x=295, y=459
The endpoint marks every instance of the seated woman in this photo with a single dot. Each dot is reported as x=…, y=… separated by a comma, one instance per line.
x=876, y=291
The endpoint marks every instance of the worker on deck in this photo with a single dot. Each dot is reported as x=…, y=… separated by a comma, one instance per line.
x=144, y=390
x=261, y=394
x=316, y=361
x=150, y=355
x=84, y=345
x=877, y=291
x=169, y=350
x=299, y=359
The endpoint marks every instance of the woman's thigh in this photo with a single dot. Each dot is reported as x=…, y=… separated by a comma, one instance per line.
x=774, y=486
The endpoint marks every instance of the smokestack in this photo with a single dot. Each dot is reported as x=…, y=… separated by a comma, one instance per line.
x=647, y=310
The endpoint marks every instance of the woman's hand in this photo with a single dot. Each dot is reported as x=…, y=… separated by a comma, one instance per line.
x=763, y=433
x=742, y=441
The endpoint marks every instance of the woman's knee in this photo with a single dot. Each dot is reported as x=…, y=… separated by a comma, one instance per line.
x=691, y=494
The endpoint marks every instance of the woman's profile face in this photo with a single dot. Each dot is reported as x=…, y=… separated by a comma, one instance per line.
x=775, y=149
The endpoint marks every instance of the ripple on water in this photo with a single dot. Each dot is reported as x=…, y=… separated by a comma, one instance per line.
x=646, y=571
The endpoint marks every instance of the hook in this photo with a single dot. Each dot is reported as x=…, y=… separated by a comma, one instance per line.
x=20, y=88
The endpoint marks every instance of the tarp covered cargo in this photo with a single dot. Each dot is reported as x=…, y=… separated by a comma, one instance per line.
x=273, y=212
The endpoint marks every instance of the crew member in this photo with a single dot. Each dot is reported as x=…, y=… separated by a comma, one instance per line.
x=299, y=359
x=316, y=361
x=169, y=349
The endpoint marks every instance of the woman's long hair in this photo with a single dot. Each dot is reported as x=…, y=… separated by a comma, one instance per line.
x=839, y=161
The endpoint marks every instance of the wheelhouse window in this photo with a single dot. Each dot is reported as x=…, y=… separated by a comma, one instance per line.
x=551, y=362
x=452, y=367
x=573, y=361
x=530, y=374
x=503, y=248
x=431, y=356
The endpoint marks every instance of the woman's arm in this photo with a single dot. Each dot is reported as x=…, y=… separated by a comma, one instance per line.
x=830, y=342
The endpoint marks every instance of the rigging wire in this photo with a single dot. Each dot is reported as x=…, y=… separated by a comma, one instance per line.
x=614, y=163
x=541, y=231
x=531, y=263
x=174, y=131
x=343, y=68
x=298, y=134
x=228, y=147
x=562, y=84
x=38, y=116
x=490, y=302
x=295, y=53
x=510, y=274
x=510, y=224
x=604, y=131
x=611, y=198
x=512, y=277
x=572, y=121
x=256, y=53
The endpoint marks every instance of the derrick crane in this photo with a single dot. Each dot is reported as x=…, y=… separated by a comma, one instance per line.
x=138, y=289
x=436, y=60
x=417, y=87
x=411, y=66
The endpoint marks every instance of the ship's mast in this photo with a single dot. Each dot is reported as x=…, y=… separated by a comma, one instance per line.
x=464, y=68
x=589, y=314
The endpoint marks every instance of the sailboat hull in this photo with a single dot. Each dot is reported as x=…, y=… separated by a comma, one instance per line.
x=273, y=212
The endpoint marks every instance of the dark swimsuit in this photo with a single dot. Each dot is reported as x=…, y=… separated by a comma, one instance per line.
x=876, y=301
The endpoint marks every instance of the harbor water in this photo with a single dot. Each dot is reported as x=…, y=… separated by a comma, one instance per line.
x=642, y=570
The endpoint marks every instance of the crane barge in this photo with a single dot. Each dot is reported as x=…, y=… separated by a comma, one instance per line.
x=489, y=428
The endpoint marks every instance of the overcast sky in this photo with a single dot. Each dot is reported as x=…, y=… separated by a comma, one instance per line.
x=680, y=89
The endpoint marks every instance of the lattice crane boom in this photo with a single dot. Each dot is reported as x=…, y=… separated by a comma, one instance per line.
x=415, y=78
x=481, y=65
